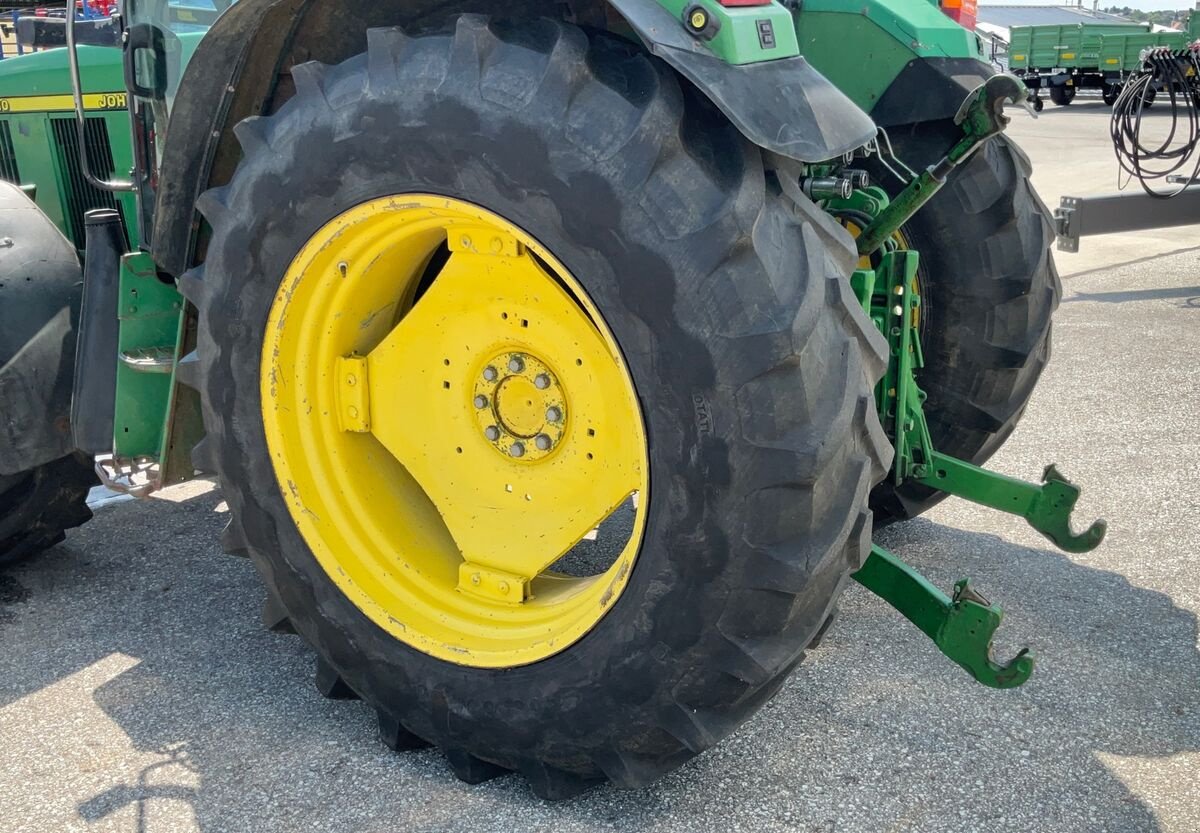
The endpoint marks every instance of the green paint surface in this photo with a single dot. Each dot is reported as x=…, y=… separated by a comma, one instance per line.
x=1063, y=47
x=737, y=40
x=149, y=312
x=861, y=47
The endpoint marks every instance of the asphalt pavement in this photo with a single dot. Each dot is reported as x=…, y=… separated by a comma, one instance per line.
x=138, y=691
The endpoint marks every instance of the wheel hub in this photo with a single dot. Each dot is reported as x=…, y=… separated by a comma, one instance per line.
x=520, y=406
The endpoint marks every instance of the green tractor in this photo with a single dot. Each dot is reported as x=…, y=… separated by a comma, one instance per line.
x=556, y=360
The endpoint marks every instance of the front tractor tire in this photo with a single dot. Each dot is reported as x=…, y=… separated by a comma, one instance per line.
x=37, y=507
x=602, y=231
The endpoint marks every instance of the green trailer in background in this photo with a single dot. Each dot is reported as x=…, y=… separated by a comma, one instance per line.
x=1065, y=58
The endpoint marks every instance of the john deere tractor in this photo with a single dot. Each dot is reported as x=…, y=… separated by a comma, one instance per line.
x=556, y=359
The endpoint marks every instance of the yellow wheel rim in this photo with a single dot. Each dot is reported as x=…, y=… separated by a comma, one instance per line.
x=445, y=428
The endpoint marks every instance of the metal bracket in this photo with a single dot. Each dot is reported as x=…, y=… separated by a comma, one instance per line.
x=961, y=626
x=1078, y=217
x=981, y=116
x=1047, y=507
x=353, y=394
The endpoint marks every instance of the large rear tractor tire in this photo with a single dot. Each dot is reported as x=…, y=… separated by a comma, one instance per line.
x=988, y=290
x=38, y=506
x=465, y=293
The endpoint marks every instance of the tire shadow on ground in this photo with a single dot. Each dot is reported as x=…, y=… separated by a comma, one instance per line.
x=875, y=731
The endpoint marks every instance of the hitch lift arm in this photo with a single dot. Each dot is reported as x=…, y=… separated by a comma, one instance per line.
x=961, y=625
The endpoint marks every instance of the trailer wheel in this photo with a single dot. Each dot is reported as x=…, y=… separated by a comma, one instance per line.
x=988, y=289
x=38, y=506
x=465, y=294
x=1061, y=94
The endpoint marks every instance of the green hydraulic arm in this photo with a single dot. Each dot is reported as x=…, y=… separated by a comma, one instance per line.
x=960, y=625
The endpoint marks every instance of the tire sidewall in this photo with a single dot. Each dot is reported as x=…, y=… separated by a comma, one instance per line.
x=665, y=624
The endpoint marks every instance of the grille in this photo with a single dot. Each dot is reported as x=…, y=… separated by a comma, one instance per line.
x=80, y=195
x=8, y=159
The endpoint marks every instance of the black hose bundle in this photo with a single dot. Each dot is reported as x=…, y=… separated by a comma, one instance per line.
x=1177, y=73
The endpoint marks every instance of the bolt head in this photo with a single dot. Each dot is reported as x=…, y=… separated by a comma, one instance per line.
x=481, y=401
x=542, y=381
x=543, y=442
x=516, y=364
x=475, y=578
x=492, y=433
x=553, y=414
x=503, y=587
x=517, y=449
x=490, y=374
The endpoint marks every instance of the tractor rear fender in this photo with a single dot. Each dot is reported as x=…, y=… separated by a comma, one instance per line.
x=929, y=90
x=40, y=286
x=242, y=68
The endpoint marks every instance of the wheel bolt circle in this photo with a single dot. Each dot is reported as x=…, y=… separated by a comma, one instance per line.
x=517, y=449
x=543, y=442
x=492, y=433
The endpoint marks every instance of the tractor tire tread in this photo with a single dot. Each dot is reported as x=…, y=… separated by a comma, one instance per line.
x=38, y=506
x=766, y=309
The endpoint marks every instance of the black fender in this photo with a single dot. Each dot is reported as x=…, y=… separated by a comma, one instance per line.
x=40, y=287
x=784, y=106
x=239, y=70
x=929, y=89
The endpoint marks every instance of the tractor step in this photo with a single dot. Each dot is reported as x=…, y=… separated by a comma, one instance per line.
x=150, y=360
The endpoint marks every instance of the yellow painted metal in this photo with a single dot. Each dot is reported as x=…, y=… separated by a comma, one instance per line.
x=435, y=527
x=354, y=403
x=52, y=103
x=520, y=406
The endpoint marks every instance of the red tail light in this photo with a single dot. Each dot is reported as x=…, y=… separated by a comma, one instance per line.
x=961, y=11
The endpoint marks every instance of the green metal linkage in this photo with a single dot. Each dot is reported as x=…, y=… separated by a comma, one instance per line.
x=981, y=116
x=1047, y=508
x=149, y=315
x=961, y=626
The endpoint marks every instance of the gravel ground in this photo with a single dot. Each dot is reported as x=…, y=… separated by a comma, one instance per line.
x=138, y=691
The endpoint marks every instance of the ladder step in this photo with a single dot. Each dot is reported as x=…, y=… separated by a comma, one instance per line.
x=150, y=359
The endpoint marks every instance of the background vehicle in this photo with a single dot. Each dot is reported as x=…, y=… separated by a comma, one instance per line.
x=436, y=291
x=1064, y=59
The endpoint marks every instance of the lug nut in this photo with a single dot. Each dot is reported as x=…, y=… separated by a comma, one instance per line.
x=516, y=364
x=542, y=442
x=553, y=414
x=517, y=449
x=481, y=401
x=490, y=374
x=492, y=433
x=542, y=381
